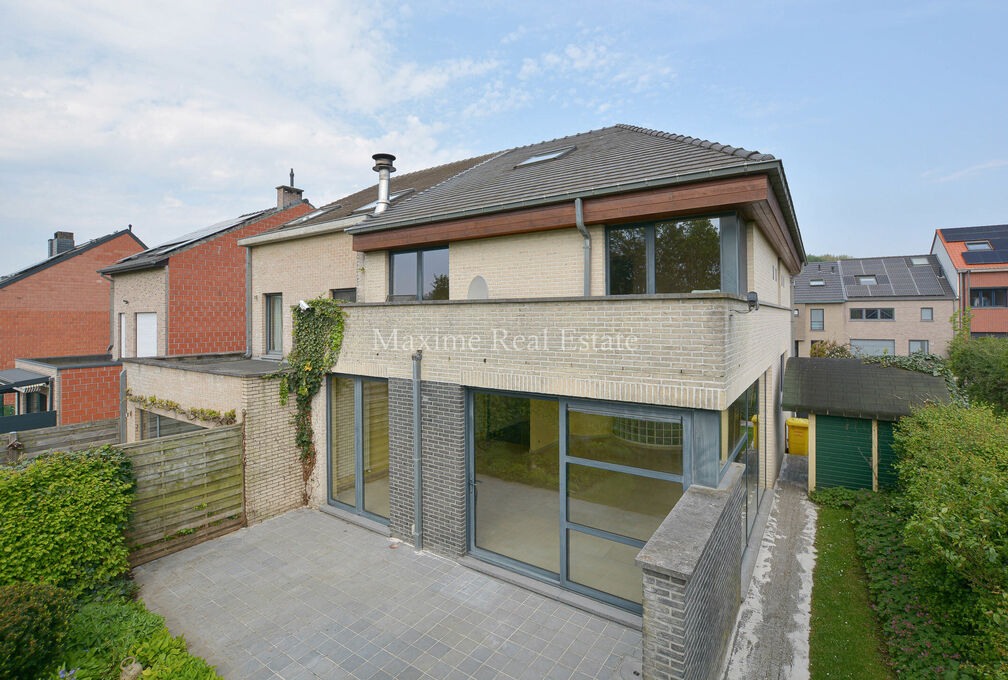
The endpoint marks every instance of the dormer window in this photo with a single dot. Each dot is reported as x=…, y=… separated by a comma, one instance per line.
x=817, y=282
x=867, y=280
x=978, y=245
x=546, y=156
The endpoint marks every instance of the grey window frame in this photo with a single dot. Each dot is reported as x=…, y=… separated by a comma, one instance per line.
x=270, y=340
x=358, y=410
x=930, y=311
x=419, y=270
x=874, y=279
x=926, y=348
x=564, y=406
x=992, y=291
x=821, y=321
x=734, y=268
x=863, y=314
x=980, y=245
x=854, y=340
x=347, y=294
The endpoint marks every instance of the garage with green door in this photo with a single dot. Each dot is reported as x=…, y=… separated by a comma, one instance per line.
x=852, y=409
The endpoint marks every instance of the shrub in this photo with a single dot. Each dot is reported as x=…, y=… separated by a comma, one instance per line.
x=165, y=658
x=103, y=633
x=982, y=367
x=62, y=518
x=33, y=625
x=827, y=349
x=954, y=473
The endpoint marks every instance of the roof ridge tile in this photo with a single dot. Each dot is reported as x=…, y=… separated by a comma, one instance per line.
x=704, y=144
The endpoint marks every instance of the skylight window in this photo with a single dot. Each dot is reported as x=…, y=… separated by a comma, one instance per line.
x=919, y=260
x=978, y=245
x=817, y=282
x=547, y=156
x=868, y=280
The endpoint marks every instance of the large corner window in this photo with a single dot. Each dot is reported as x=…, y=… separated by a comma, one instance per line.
x=359, y=445
x=419, y=274
x=740, y=443
x=989, y=297
x=676, y=256
x=274, y=323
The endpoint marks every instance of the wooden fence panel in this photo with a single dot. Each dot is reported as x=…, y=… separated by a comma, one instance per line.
x=190, y=488
x=27, y=444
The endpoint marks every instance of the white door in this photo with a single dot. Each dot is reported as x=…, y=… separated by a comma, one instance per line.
x=122, y=335
x=146, y=330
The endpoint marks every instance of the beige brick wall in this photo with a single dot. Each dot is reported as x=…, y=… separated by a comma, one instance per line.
x=273, y=472
x=373, y=277
x=137, y=292
x=299, y=270
x=187, y=388
x=905, y=326
x=767, y=275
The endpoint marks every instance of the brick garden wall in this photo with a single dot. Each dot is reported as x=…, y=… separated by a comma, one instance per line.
x=88, y=394
x=206, y=290
x=273, y=477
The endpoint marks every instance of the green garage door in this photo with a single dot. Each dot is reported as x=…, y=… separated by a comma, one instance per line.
x=843, y=453
x=886, y=456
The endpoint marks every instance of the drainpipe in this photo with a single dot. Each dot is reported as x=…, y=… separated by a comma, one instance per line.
x=417, y=459
x=248, y=302
x=579, y=223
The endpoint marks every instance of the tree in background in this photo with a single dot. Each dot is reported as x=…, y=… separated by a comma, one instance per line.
x=826, y=257
x=980, y=364
x=828, y=349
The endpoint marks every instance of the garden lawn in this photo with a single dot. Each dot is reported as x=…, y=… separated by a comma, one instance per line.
x=845, y=640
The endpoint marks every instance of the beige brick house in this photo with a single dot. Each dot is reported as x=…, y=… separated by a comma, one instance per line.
x=879, y=305
x=595, y=327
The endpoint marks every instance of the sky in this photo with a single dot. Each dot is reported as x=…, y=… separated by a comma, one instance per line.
x=889, y=116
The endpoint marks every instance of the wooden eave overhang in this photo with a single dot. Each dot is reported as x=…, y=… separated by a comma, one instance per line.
x=752, y=196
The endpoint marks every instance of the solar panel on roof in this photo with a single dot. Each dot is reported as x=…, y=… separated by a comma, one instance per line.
x=985, y=257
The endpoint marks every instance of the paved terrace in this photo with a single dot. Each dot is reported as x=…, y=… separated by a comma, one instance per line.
x=306, y=595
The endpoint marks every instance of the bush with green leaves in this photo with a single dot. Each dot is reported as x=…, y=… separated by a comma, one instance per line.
x=828, y=349
x=954, y=474
x=62, y=518
x=981, y=364
x=33, y=626
x=164, y=657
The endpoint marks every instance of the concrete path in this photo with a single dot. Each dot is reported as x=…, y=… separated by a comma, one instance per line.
x=307, y=595
x=771, y=639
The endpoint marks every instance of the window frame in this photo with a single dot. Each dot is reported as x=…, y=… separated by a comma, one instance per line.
x=738, y=259
x=873, y=277
x=391, y=297
x=930, y=311
x=926, y=346
x=269, y=343
x=344, y=294
x=890, y=340
x=992, y=291
x=812, y=319
x=978, y=246
x=871, y=314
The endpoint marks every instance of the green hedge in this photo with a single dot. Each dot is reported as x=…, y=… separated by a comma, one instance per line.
x=33, y=625
x=62, y=518
x=981, y=364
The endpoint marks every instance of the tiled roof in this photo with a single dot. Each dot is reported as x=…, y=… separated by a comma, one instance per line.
x=612, y=159
x=954, y=241
x=411, y=182
x=904, y=276
x=65, y=255
x=158, y=255
x=851, y=388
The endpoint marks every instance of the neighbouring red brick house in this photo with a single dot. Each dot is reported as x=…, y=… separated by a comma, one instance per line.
x=188, y=296
x=59, y=308
x=975, y=260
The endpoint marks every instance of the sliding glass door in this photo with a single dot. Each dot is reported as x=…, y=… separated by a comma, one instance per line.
x=570, y=491
x=359, y=445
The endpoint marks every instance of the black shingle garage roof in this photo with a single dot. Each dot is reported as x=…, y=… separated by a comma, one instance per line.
x=849, y=387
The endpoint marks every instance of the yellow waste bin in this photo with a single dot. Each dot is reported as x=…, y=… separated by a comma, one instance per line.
x=797, y=436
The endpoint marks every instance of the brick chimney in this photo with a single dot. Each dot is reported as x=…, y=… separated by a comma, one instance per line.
x=287, y=194
x=61, y=242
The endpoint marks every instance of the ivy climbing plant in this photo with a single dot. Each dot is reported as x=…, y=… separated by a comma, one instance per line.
x=318, y=335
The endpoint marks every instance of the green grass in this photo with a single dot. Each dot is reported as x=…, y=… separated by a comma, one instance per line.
x=845, y=640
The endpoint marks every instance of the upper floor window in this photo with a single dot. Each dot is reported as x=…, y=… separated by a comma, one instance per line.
x=419, y=274
x=978, y=245
x=274, y=323
x=927, y=313
x=872, y=314
x=989, y=297
x=817, y=282
x=816, y=320
x=867, y=280
x=676, y=256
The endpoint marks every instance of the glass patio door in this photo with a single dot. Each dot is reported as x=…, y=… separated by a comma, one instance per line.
x=359, y=445
x=569, y=492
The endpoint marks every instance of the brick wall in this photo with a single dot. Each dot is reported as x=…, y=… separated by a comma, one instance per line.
x=62, y=310
x=206, y=290
x=322, y=263
x=88, y=394
x=273, y=472
x=692, y=583
x=444, y=468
